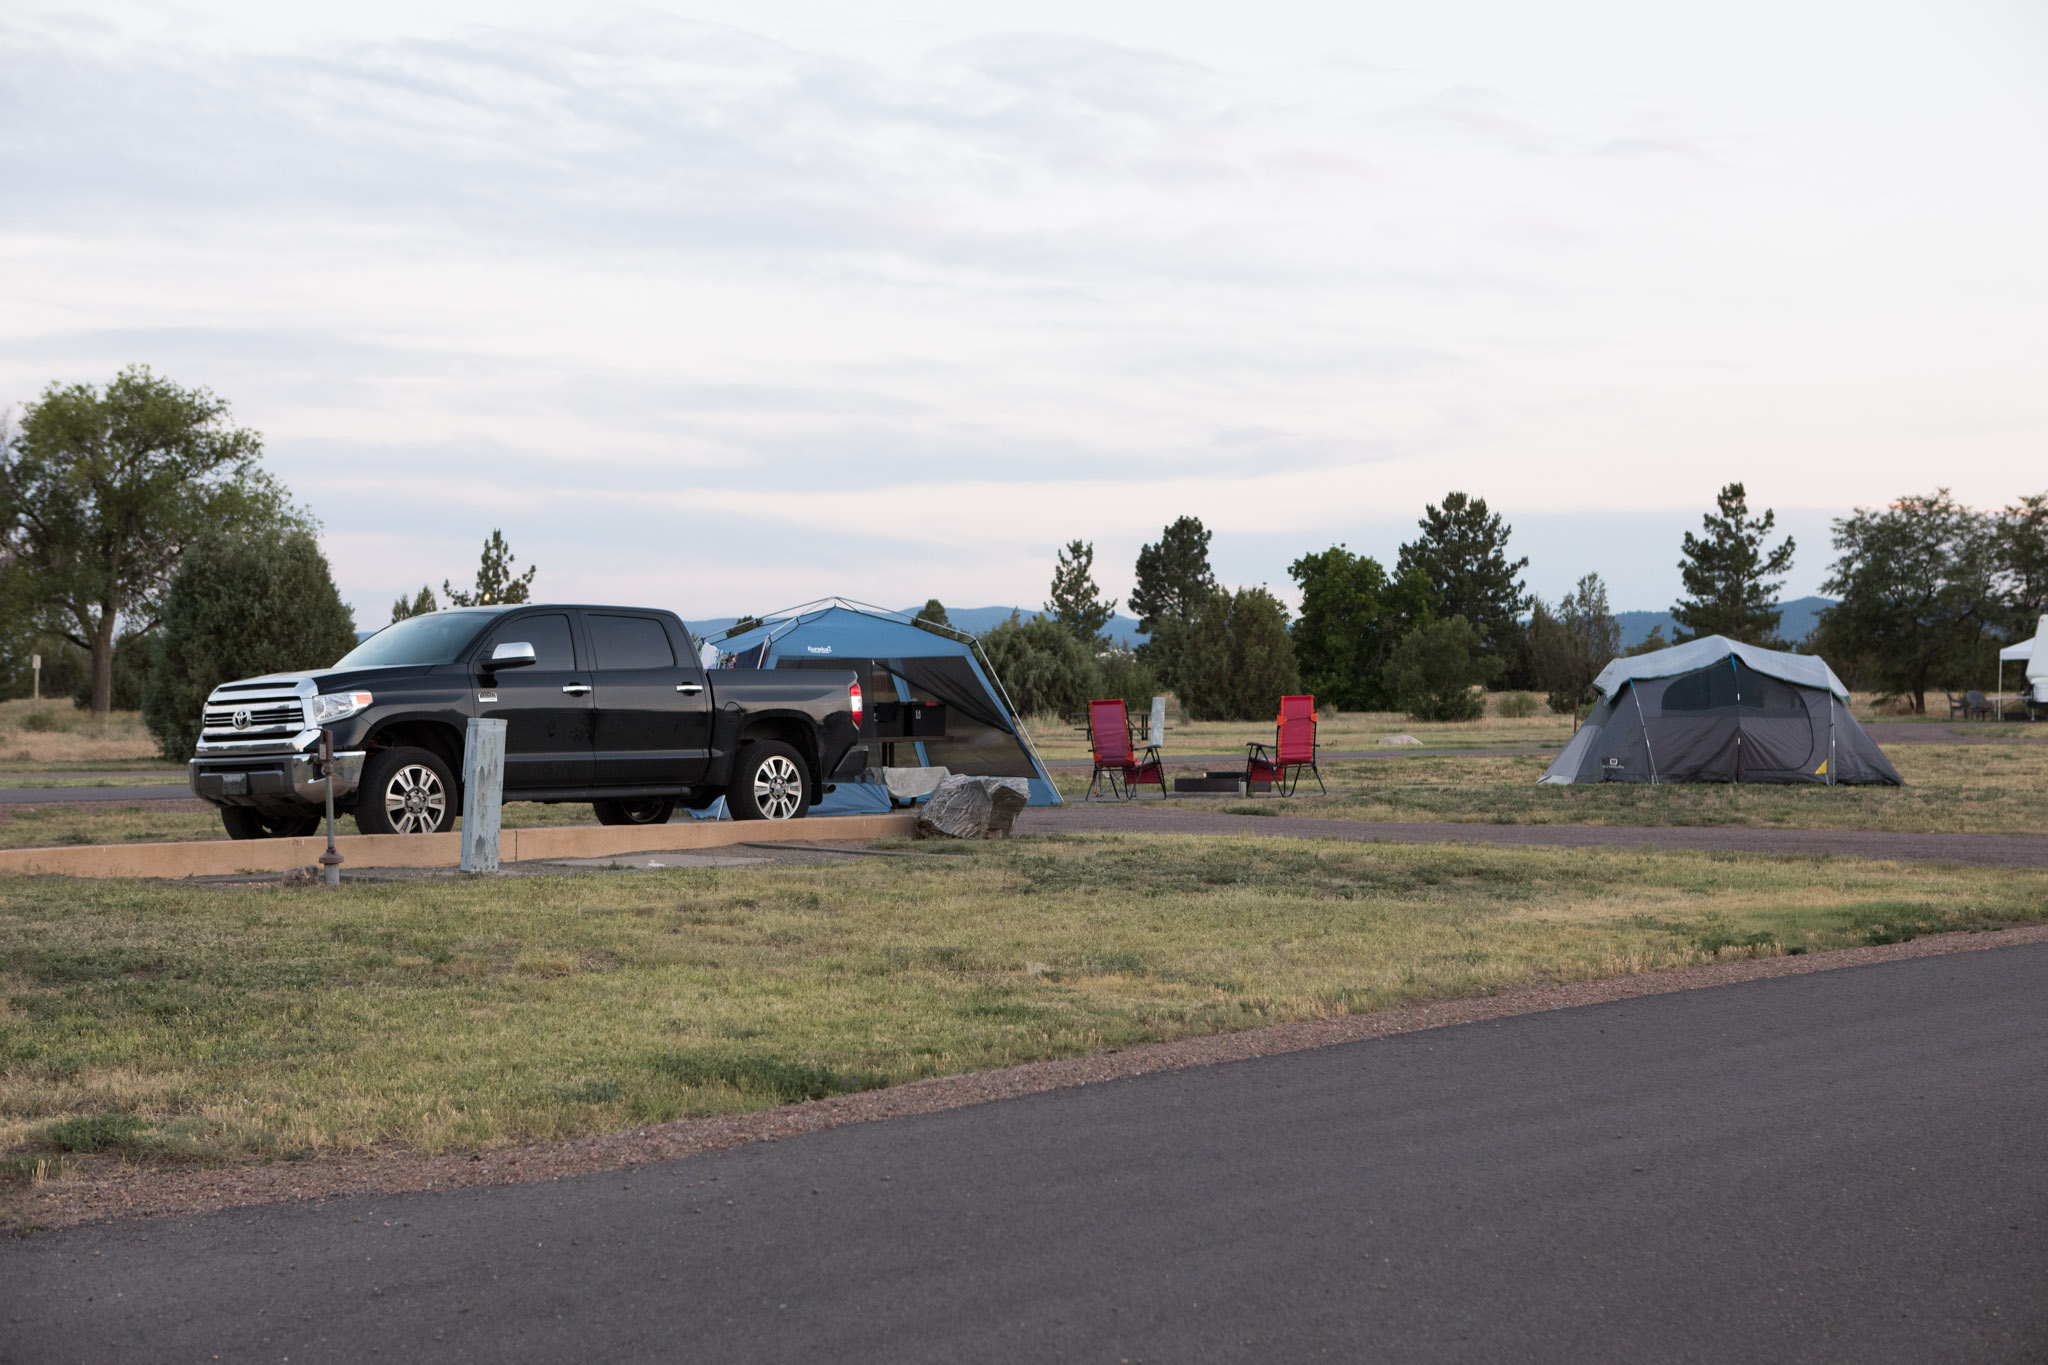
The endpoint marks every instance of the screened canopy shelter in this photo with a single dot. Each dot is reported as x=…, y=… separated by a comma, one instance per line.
x=930, y=696
x=1716, y=710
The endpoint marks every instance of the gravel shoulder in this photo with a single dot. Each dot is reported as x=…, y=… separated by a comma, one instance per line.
x=103, y=1190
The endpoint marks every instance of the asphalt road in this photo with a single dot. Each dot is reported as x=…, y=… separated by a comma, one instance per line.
x=1844, y=1166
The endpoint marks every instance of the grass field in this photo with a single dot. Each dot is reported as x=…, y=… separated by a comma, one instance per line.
x=1950, y=788
x=174, y=1023
x=1959, y=788
x=1338, y=730
x=116, y=822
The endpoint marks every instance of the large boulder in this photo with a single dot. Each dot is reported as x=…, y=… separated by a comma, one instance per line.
x=973, y=807
x=907, y=784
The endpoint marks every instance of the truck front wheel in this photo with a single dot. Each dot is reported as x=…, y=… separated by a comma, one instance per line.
x=405, y=791
x=771, y=784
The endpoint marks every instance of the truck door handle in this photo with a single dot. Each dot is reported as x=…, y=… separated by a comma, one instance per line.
x=575, y=689
x=689, y=689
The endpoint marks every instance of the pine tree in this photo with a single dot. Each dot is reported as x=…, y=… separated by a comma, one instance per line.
x=417, y=606
x=1076, y=601
x=1174, y=578
x=1463, y=553
x=1731, y=583
x=496, y=584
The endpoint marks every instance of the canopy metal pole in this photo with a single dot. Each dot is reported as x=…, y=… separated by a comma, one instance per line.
x=1644, y=721
x=1831, y=738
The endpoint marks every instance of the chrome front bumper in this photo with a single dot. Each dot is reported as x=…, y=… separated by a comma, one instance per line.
x=247, y=780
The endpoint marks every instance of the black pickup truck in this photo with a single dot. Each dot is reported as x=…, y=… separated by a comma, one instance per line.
x=602, y=704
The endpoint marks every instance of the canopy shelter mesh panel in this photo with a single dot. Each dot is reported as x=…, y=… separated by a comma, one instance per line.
x=900, y=661
x=1721, y=719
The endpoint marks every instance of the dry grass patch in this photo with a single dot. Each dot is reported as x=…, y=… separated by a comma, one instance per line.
x=166, y=1023
x=54, y=733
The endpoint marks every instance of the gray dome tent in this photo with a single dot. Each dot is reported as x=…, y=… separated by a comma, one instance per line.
x=1717, y=710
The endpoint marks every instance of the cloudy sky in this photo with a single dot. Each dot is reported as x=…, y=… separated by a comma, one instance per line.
x=725, y=306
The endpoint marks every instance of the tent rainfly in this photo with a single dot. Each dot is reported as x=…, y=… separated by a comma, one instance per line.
x=935, y=670
x=1717, y=710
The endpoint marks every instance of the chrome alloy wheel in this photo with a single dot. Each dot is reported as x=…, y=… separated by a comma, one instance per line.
x=778, y=788
x=415, y=799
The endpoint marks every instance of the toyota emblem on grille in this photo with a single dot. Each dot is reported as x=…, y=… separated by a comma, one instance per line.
x=242, y=718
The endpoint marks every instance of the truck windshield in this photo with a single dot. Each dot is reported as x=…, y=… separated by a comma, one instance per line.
x=439, y=637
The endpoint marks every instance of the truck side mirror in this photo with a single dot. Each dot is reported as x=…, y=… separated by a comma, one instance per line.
x=511, y=654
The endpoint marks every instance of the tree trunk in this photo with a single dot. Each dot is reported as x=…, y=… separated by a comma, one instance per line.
x=103, y=663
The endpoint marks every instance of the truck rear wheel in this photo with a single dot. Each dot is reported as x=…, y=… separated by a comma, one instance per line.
x=405, y=791
x=654, y=811
x=245, y=822
x=772, y=783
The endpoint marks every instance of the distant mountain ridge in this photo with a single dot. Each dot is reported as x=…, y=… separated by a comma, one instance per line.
x=1801, y=615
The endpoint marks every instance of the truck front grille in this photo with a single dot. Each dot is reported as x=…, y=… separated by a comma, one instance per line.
x=269, y=714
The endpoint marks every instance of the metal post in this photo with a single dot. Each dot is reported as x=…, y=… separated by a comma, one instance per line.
x=35, y=663
x=483, y=793
x=330, y=861
x=1158, y=721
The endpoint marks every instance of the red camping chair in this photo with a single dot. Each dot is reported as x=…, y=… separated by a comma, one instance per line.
x=1293, y=748
x=1116, y=758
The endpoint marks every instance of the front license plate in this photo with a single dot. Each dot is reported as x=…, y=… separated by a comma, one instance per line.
x=234, y=784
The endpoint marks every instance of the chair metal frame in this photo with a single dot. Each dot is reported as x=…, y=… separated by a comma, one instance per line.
x=1125, y=766
x=1282, y=761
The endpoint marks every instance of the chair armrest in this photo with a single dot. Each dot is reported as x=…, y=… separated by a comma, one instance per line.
x=1254, y=749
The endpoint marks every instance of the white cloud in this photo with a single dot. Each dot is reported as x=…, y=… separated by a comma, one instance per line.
x=737, y=304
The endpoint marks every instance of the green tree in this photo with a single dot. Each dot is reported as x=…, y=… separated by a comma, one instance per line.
x=2022, y=548
x=1463, y=553
x=1569, y=647
x=1044, y=666
x=1918, y=597
x=1173, y=581
x=1351, y=616
x=240, y=606
x=1239, y=659
x=418, y=606
x=1731, y=581
x=1436, y=667
x=102, y=491
x=1076, y=602
x=496, y=584
x=933, y=618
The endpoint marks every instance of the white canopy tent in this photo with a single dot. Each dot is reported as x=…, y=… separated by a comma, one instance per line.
x=2031, y=655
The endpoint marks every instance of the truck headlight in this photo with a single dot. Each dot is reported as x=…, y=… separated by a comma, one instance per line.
x=333, y=706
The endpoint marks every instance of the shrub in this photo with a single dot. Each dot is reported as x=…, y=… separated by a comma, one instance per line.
x=1435, y=668
x=1238, y=660
x=1518, y=705
x=1124, y=674
x=1042, y=665
x=239, y=607
x=46, y=723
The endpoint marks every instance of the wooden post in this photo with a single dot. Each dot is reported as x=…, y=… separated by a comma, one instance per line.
x=483, y=793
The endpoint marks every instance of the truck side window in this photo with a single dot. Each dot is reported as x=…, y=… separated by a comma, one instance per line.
x=549, y=635
x=628, y=642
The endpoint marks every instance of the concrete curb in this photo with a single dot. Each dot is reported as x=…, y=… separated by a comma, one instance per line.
x=223, y=857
